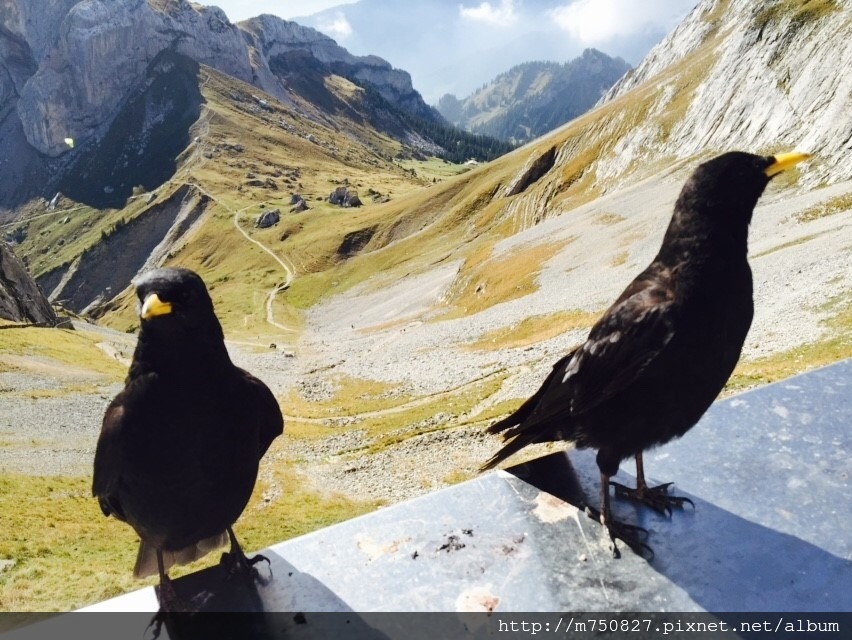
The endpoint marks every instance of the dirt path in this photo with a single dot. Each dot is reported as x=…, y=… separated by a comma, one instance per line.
x=289, y=269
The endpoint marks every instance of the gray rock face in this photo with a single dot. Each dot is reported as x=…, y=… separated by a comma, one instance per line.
x=752, y=76
x=34, y=23
x=20, y=298
x=298, y=203
x=104, y=49
x=16, y=67
x=268, y=219
x=270, y=37
x=97, y=275
x=344, y=197
x=73, y=68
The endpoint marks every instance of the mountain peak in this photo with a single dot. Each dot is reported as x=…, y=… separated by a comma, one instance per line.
x=535, y=97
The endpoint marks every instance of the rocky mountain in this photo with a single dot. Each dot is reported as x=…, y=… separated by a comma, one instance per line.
x=526, y=251
x=20, y=298
x=733, y=75
x=533, y=98
x=100, y=50
x=69, y=69
x=509, y=265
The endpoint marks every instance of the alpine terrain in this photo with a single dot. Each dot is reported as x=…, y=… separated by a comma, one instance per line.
x=395, y=300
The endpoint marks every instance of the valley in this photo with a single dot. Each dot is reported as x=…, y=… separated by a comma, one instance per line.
x=385, y=396
x=394, y=332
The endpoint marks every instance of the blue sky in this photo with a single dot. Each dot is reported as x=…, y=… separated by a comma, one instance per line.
x=455, y=46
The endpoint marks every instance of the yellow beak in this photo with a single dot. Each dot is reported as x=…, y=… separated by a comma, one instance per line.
x=785, y=161
x=153, y=306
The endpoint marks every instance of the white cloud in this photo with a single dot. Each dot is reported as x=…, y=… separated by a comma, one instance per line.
x=336, y=27
x=503, y=15
x=243, y=9
x=594, y=22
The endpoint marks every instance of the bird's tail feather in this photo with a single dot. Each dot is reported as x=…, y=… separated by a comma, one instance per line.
x=527, y=408
x=146, y=558
x=510, y=421
x=513, y=446
x=526, y=426
x=517, y=418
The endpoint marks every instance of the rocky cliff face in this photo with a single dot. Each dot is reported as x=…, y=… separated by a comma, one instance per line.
x=35, y=23
x=68, y=73
x=755, y=76
x=533, y=98
x=20, y=298
x=103, y=49
x=27, y=32
x=270, y=37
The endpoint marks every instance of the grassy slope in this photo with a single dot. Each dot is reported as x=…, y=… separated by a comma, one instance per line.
x=459, y=216
x=65, y=553
x=68, y=555
x=33, y=347
x=62, y=532
x=275, y=146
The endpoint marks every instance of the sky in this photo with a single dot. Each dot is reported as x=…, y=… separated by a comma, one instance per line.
x=242, y=9
x=456, y=46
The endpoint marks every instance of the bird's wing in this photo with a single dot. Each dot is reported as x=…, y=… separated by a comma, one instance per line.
x=107, y=463
x=109, y=454
x=266, y=414
x=621, y=345
x=107, y=470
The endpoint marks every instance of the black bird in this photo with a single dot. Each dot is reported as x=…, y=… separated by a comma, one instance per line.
x=659, y=356
x=179, y=448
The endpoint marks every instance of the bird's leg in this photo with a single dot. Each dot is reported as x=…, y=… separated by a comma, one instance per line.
x=169, y=599
x=237, y=562
x=628, y=533
x=657, y=498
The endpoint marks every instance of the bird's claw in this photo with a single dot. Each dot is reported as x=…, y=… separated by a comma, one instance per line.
x=630, y=534
x=156, y=622
x=238, y=564
x=170, y=601
x=258, y=558
x=657, y=498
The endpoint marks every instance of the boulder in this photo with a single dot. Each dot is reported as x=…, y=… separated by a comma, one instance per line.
x=268, y=219
x=344, y=197
x=352, y=200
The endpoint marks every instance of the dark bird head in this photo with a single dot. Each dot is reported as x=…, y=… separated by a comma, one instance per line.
x=177, y=317
x=719, y=197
